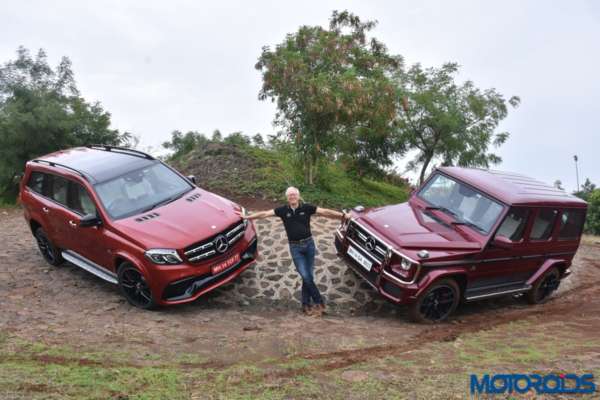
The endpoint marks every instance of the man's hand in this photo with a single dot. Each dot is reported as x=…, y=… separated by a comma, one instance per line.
x=242, y=213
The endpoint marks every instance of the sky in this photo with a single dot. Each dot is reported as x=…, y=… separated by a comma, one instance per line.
x=157, y=66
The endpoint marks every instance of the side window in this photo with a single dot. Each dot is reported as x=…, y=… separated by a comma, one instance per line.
x=543, y=224
x=58, y=189
x=513, y=226
x=80, y=200
x=571, y=224
x=36, y=182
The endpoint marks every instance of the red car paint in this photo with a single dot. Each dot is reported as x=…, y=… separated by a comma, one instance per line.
x=196, y=216
x=439, y=247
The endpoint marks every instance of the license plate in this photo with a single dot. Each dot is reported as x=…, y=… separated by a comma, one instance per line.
x=359, y=258
x=222, y=266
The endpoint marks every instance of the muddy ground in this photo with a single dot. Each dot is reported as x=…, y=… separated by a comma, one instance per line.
x=65, y=306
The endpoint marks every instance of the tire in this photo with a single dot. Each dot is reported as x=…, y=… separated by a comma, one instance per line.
x=49, y=251
x=436, y=303
x=134, y=287
x=544, y=287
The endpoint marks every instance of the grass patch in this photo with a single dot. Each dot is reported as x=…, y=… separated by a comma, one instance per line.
x=267, y=172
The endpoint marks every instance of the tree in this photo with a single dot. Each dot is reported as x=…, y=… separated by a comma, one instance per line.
x=182, y=144
x=558, y=184
x=446, y=121
x=216, y=136
x=586, y=189
x=592, y=222
x=237, y=138
x=41, y=111
x=331, y=86
x=258, y=140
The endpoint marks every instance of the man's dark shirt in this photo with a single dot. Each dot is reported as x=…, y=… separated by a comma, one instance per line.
x=296, y=222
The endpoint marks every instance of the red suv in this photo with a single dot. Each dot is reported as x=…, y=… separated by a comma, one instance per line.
x=466, y=234
x=134, y=221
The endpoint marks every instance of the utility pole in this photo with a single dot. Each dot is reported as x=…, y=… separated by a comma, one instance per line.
x=576, y=170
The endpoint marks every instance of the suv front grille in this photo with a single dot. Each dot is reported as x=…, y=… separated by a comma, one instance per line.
x=368, y=243
x=208, y=247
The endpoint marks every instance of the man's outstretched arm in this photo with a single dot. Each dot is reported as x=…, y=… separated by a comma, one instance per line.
x=257, y=215
x=326, y=212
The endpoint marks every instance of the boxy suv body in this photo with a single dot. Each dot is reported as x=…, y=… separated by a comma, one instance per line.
x=466, y=234
x=134, y=221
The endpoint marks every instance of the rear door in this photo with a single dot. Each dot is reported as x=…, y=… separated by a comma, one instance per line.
x=57, y=214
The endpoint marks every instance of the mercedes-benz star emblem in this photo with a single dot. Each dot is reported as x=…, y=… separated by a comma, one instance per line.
x=221, y=244
x=370, y=244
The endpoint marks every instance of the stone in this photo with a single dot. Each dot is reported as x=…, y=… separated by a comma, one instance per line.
x=329, y=256
x=336, y=281
x=350, y=282
x=333, y=269
x=344, y=289
x=274, y=277
x=248, y=291
x=360, y=297
x=285, y=294
x=269, y=293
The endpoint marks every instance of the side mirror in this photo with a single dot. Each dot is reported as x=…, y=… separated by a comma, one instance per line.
x=503, y=242
x=90, y=220
x=192, y=179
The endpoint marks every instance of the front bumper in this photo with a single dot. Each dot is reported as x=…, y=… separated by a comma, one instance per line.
x=379, y=280
x=186, y=282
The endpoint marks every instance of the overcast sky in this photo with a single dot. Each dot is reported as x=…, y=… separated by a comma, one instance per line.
x=160, y=66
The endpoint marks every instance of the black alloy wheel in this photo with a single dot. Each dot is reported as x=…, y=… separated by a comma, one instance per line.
x=544, y=287
x=134, y=287
x=437, y=303
x=50, y=252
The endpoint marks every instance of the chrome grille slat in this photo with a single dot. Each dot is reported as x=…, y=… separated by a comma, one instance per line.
x=379, y=251
x=203, y=255
x=206, y=250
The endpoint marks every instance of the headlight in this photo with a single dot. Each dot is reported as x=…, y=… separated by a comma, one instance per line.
x=405, y=264
x=163, y=256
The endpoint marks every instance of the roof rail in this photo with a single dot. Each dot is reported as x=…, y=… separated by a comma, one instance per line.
x=55, y=164
x=118, y=149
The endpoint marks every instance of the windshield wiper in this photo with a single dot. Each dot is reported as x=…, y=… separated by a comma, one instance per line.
x=164, y=202
x=442, y=208
x=471, y=224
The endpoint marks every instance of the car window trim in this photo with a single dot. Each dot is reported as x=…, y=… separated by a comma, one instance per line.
x=494, y=227
x=554, y=230
x=64, y=206
x=131, y=214
x=573, y=238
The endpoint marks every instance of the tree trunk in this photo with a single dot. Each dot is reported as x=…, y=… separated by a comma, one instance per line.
x=424, y=168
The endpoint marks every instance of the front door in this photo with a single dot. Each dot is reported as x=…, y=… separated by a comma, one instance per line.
x=86, y=241
x=499, y=269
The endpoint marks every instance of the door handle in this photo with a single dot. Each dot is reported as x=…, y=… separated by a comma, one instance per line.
x=73, y=224
x=45, y=209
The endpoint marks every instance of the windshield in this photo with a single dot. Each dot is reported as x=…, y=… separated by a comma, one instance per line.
x=465, y=204
x=141, y=190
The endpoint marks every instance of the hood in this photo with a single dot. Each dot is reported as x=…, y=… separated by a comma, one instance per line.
x=182, y=222
x=409, y=228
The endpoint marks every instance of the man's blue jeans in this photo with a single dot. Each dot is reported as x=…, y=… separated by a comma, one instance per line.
x=303, y=255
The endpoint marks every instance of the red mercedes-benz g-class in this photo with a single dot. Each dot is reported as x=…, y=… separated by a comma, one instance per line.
x=134, y=221
x=466, y=234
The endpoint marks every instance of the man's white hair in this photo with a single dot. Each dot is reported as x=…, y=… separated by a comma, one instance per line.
x=292, y=189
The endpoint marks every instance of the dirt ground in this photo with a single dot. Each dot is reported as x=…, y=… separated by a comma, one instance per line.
x=66, y=306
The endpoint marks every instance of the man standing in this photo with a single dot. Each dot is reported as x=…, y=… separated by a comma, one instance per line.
x=296, y=220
